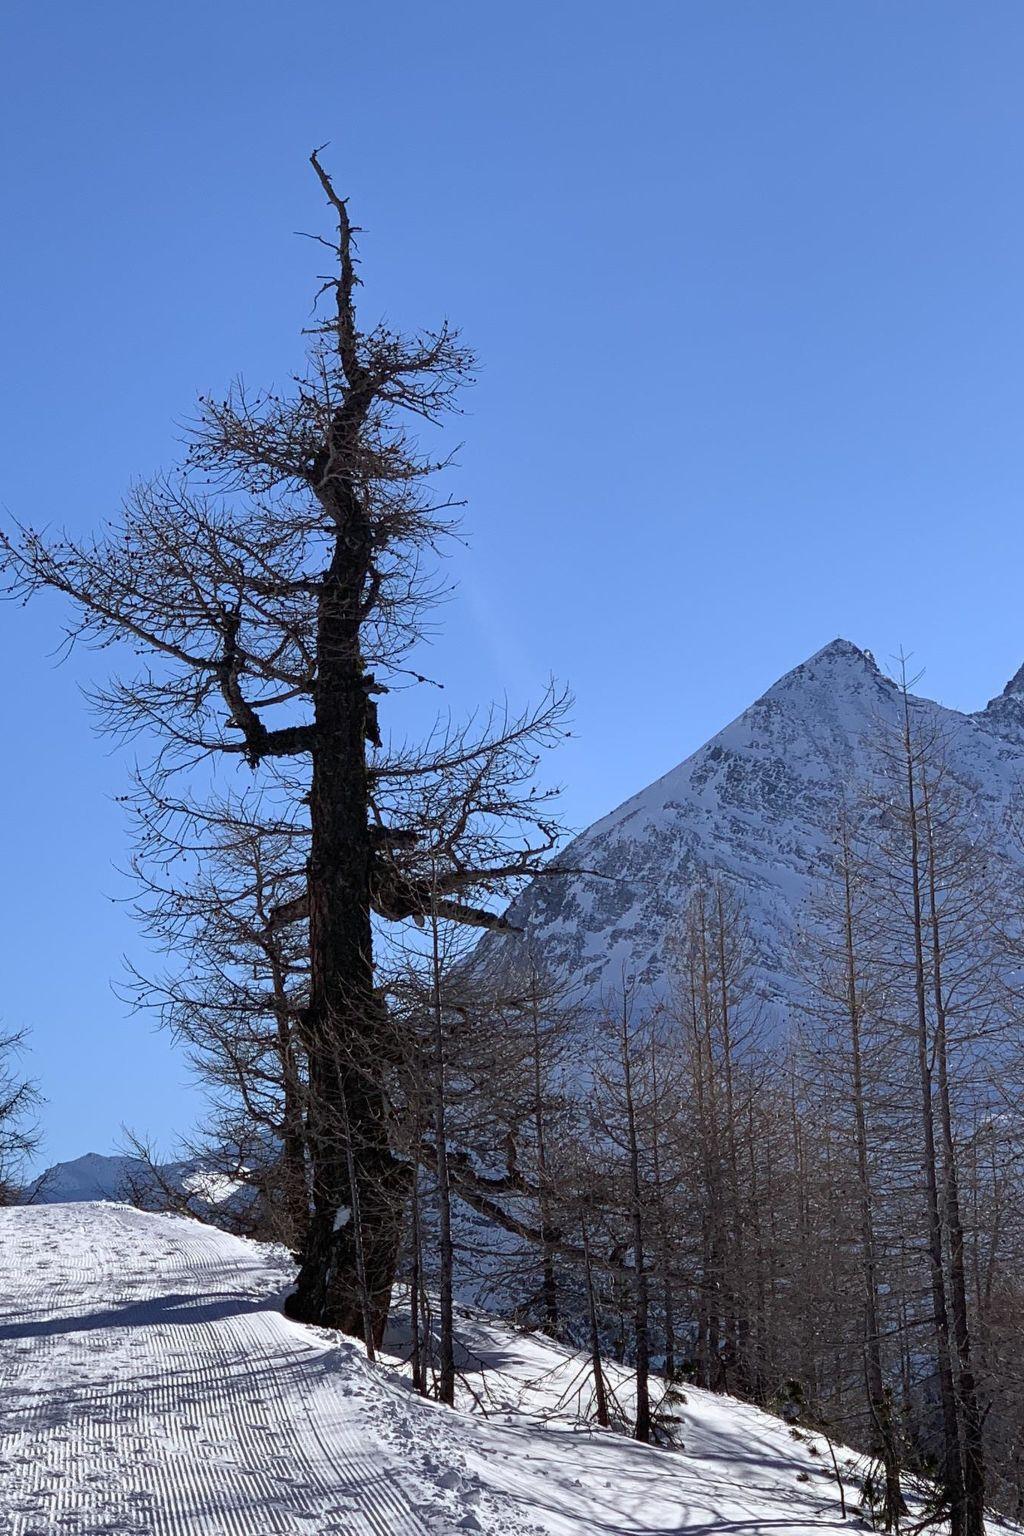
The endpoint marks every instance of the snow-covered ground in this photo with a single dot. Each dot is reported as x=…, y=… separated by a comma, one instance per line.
x=150, y=1384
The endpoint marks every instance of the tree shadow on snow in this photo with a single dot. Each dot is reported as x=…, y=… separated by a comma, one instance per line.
x=177, y=1310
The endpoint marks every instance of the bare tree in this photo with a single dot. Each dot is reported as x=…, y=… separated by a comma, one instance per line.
x=935, y=886
x=620, y=1116
x=276, y=586
x=855, y=1049
x=717, y=1021
x=235, y=987
x=19, y=1137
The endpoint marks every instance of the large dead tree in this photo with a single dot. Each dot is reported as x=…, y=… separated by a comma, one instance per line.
x=275, y=587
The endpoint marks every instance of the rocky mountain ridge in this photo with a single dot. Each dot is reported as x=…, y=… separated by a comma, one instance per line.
x=757, y=806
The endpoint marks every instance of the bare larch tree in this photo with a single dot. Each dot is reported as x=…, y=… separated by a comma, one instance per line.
x=274, y=587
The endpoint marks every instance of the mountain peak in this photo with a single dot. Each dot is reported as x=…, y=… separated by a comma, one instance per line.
x=756, y=806
x=839, y=667
x=840, y=650
x=1015, y=687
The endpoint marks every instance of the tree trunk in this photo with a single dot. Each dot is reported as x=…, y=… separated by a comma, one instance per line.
x=952, y=1462
x=600, y=1391
x=878, y=1398
x=346, y=1024
x=739, y=1329
x=418, y=1354
x=642, y=1336
x=446, y=1256
x=549, y=1280
x=970, y=1414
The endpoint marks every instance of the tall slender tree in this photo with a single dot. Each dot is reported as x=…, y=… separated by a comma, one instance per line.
x=853, y=1049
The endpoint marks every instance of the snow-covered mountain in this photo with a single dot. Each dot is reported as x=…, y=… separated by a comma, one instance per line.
x=757, y=806
x=96, y=1176
x=93, y=1176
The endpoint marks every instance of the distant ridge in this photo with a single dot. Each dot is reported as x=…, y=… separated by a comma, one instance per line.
x=90, y=1177
x=95, y=1176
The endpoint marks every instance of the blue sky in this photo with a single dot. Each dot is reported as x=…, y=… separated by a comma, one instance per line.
x=746, y=283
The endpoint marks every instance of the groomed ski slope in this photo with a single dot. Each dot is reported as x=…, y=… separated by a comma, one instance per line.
x=149, y=1383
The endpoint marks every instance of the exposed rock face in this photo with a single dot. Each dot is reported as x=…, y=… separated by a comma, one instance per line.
x=757, y=805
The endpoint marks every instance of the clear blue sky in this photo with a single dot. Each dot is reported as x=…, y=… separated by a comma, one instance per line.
x=747, y=281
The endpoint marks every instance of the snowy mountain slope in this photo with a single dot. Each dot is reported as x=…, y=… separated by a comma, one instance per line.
x=93, y=1176
x=96, y=1176
x=756, y=805
x=150, y=1385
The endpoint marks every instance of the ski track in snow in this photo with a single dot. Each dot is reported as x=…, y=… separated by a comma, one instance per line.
x=149, y=1384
